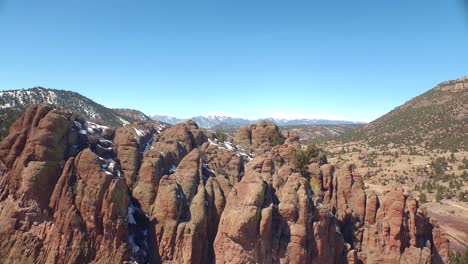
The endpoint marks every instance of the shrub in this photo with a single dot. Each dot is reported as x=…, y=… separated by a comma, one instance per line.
x=439, y=166
x=220, y=136
x=422, y=198
x=302, y=157
x=438, y=195
x=315, y=186
x=458, y=258
x=276, y=139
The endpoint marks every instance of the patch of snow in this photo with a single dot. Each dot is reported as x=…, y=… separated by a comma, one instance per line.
x=148, y=145
x=131, y=210
x=51, y=98
x=108, y=148
x=205, y=166
x=5, y=106
x=212, y=142
x=139, y=132
x=135, y=247
x=94, y=125
x=228, y=145
x=78, y=124
x=111, y=165
x=105, y=141
x=172, y=169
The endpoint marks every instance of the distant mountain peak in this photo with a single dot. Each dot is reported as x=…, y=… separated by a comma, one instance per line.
x=221, y=119
x=218, y=115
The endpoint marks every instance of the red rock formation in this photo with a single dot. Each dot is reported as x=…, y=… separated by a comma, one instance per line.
x=76, y=216
x=34, y=151
x=260, y=137
x=76, y=192
x=185, y=212
x=393, y=230
x=266, y=224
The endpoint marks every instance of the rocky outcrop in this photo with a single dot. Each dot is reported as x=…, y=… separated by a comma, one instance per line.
x=402, y=232
x=72, y=191
x=270, y=218
x=186, y=212
x=51, y=212
x=273, y=220
x=165, y=152
x=132, y=142
x=260, y=137
x=92, y=207
x=39, y=141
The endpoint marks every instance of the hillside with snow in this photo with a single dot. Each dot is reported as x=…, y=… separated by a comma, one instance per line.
x=14, y=102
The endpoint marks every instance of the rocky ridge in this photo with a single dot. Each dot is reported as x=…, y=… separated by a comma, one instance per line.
x=72, y=191
x=14, y=102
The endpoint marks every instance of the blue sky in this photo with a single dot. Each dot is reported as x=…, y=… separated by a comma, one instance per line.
x=353, y=60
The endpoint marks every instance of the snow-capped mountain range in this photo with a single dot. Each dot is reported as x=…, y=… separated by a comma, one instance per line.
x=215, y=120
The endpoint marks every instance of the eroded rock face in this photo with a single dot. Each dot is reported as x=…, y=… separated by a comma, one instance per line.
x=349, y=226
x=186, y=212
x=87, y=198
x=33, y=152
x=72, y=191
x=273, y=220
x=56, y=207
x=260, y=137
x=165, y=152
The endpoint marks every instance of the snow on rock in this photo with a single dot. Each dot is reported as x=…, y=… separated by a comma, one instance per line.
x=172, y=169
x=131, y=210
x=96, y=126
x=124, y=122
x=206, y=167
x=230, y=147
x=139, y=132
x=8, y=105
x=133, y=245
x=148, y=145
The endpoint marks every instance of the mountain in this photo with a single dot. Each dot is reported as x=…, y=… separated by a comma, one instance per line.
x=209, y=121
x=320, y=133
x=304, y=121
x=132, y=115
x=72, y=191
x=14, y=102
x=219, y=121
x=435, y=119
x=167, y=119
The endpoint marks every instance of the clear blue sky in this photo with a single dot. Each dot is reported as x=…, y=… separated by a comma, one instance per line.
x=351, y=60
